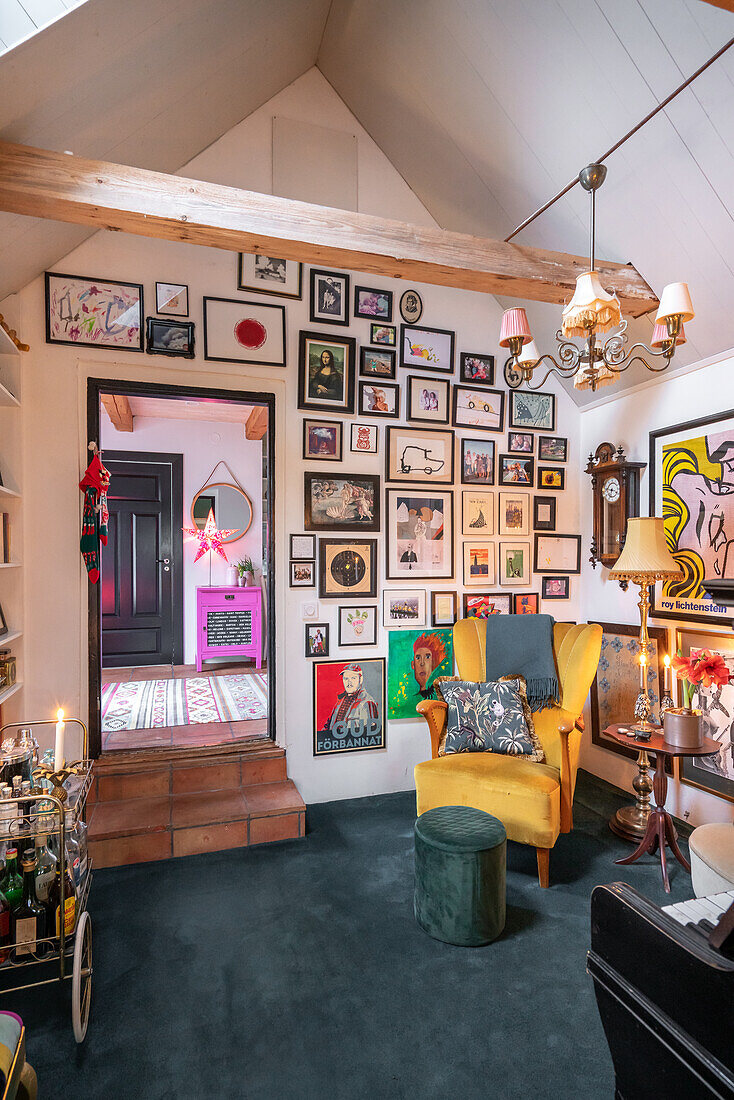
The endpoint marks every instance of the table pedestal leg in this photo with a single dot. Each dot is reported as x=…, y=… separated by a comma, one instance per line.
x=659, y=828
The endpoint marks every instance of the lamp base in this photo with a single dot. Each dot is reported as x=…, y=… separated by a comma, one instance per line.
x=630, y=822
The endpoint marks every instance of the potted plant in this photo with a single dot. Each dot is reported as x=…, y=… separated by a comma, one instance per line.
x=702, y=668
x=246, y=570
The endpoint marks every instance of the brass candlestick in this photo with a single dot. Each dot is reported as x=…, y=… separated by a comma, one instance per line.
x=58, y=778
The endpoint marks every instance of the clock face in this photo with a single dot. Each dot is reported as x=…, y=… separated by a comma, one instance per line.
x=610, y=490
x=348, y=568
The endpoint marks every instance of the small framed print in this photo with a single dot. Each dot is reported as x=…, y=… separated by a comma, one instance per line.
x=373, y=304
x=403, y=607
x=478, y=563
x=421, y=456
x=551, y=477
x=326, y=372
x=427, y=348
x=483, y=409
x=514, y=514
x=316, y=639
x=411, y=307
x=379, y=399
x=329, y=299
x=476, y=368
x=348, y=567
x=486, y=604
x=544, y=513
x=520, y=443
x=172, y=299
x=516, y=470
x=514, y=564
x=364, y=438
x=303, y=548
x=269, y=275
x=428, y=399
x=357, y=624
x=444, y=608
x=477, y=513
x=555, y=588
x=477, y=461
x=383, y=334
x=348, y=705
x=376, y=363
x=525, y=603
x=338, y=502
x=244, y=332
x=714, y=774
x=322, y=440
x=169, y=337
x=530, y=409
x=303, y=574
x=552, y=448
x=557, y=554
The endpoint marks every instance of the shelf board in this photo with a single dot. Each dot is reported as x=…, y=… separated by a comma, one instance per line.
x=7, y=398
x=6, y=639
x=5, y=695
x=7, y=347
x=8, y=492
x=9, y=565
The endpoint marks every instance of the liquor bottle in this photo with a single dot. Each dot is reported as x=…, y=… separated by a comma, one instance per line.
x=4, y=928
x=24, y=839
x=45, y=864
x=12, y=883
x=29, y=918
x=73, y=855
x=80, y=835
x=7, y=814
x=69, y=899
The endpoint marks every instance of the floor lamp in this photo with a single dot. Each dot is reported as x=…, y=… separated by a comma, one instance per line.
x=644, y=560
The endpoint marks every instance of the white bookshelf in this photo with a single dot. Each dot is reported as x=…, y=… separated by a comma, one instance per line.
x=10, y=692
x=11, y=591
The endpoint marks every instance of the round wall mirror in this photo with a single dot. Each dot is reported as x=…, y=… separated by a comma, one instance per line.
x=231, y=506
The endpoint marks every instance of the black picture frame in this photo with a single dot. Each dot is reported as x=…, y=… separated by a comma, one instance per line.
x=465, y=360
x=526, y=421
x=702, y=772
x=466, y=443
x=375, y=326
x=242, y=285
x=320, y=318
x=425, y=364
x=294, y=583
x=138, y=346
x=324, y=628
x=311, y=556
x=167, y=312
x=3, y=623
x=412, y=489
x=342, y=743
x=513, y=437
x=454, y=596
x=365, y=352
x=554, y=472
x=474, y=597
x=357, y=312
x=517, y=600
x=437, y=383
x=392, y=474
x=565, y=580
x=350, y=346
x=411, y=306
x=505, y=481
x=313, y=422
x=211, y=301
x=154, y=327
x=366, y=548
x=367, y=641
x=544, y=525
x=537, y=568
x=458, y=423
x=371, y=480
x=363, y=411
x=545, y=439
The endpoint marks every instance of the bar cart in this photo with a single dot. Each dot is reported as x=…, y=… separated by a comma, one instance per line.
x=67, y=953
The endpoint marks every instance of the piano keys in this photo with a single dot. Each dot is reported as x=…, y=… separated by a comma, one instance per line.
x=705, y=917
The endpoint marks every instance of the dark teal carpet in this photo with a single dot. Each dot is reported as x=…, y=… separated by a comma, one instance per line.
x=297, y=971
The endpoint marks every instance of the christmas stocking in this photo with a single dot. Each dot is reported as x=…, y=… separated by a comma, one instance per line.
x=89, y=542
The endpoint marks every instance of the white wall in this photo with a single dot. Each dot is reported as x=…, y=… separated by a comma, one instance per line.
x=202, y=443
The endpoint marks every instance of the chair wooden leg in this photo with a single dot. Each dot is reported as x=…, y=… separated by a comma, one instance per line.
x=543, y=855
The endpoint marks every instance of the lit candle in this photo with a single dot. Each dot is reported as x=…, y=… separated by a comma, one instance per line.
x=666, y=659
x=643, y=671
x=59, y=746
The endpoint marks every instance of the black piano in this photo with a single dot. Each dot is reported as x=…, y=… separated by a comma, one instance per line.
x=665, y=992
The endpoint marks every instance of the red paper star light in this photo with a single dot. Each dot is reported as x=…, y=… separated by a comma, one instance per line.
x=210, y=537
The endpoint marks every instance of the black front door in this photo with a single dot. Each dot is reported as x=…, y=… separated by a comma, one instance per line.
x=141, y=584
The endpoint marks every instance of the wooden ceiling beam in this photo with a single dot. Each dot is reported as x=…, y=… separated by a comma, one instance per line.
x=725, y=5
x=257, y=423
x=118, y=409
x=41, y=183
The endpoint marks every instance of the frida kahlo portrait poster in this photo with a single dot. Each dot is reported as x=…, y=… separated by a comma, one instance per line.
x=692, y=488
x=415, y=659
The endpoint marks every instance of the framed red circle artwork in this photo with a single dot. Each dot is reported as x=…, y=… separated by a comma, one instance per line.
x=250, y=333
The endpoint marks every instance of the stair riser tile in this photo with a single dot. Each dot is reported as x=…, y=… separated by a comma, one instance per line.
x=122, y=851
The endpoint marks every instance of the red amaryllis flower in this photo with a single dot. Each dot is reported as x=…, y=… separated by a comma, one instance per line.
x=710, y=669
x=682, y=668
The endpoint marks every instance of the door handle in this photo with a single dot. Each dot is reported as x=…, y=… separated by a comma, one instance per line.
x=166, y=566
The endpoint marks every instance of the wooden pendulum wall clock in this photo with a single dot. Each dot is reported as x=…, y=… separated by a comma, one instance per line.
x=615, y=483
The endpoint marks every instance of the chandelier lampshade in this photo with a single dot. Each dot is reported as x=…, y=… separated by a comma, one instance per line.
x=515, y=327
x=675, y=301
x=592, y=308
x=529, y=355
x=660, y=336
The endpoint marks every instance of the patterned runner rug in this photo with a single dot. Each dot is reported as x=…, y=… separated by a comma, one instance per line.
x=146, y=704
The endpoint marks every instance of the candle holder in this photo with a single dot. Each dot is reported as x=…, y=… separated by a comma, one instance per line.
x=666, y=703
x=57, y=778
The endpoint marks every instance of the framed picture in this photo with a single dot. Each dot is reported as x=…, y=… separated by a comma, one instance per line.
x=421, y=456
x=317, y=640
x=427, y=348
x=444, y=608
x=557, y=553
x=383, y=334
x=3, y=623
x=364, y=438
x=169, y=338
x=525, y=603
x=520, y=443
x=692, y=488
x=478, y=563
x=714, y=774
x=428, y=399
x=411, y=307
x=172, y=299
x=477, y=461
x=303, y=574
x=532, y=410
x=514, y=514
x=516, y=470
x=348, y=705
x=476, y=368
x=403, y=608
x=244, y=332
x=550, y=477
x=544, y=513
x=329, y=299
x=357, y=624
x=377, y=362
x=303, y=547
x=99, y=313
x=379, y=399
x=269, y=275
x=419, y=534
x=415, y=658
x=322, y=440
x=552, y=448
x=555, y=588
x=483, y=409
x=347, y=567
x=326, y=372
x=477, y=512
x=341, y=502
x=514, y=564
x=489, y=603
x=373, y=304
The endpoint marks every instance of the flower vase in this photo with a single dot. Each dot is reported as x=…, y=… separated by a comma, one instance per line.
x=249, y=580
x=232, y=576
x=241, y=580
x=683, y=728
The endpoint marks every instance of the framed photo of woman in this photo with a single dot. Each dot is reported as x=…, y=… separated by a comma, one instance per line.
x=326, y=372
x=329, y=299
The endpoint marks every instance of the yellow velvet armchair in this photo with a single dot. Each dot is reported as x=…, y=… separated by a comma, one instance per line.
x=533, y=801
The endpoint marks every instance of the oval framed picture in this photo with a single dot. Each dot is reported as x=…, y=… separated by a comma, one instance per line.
x=411, y=306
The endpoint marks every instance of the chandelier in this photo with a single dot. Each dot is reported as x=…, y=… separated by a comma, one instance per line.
x=591, y=312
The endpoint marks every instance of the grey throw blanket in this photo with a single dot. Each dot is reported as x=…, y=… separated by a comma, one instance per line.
x=523, y=645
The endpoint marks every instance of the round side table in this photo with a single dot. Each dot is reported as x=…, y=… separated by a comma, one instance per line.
x=660, y=828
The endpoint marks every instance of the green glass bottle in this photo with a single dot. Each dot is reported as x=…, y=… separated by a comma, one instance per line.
x=12, y=883
x=29, y=916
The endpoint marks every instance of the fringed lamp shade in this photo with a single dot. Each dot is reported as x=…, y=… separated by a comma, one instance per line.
x=645, y=557
x=660, y=336
x=514, y=325
x=592, y=308
x=675, y=301
x=604, y=377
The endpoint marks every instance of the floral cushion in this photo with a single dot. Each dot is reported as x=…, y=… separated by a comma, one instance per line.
x=493, y=716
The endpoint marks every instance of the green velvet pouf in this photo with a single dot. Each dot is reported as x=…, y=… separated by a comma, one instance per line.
x=460, y=863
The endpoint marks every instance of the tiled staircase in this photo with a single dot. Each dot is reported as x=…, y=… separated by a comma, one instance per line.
x=142, y=808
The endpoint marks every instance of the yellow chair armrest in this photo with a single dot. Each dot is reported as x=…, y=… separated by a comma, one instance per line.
x=435, y=712
x=570, y=739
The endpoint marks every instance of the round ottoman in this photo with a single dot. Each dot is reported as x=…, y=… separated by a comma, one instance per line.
x=460, y=860
x=711, y=849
